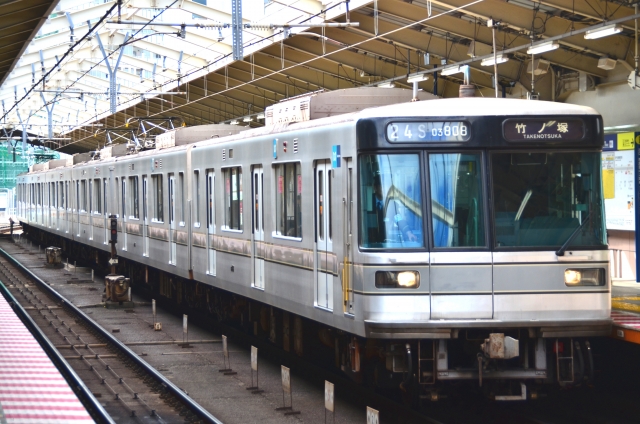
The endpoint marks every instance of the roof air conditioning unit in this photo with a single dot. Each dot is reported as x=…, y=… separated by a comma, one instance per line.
x=606, y=63
x=538, y=67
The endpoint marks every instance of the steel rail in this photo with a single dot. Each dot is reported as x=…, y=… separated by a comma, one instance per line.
x=94, y=407
x=172, y=388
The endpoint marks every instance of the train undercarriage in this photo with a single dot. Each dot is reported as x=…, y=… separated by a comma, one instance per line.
x=504, y=364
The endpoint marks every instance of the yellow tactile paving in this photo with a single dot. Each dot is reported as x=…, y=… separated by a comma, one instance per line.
x=624, y=303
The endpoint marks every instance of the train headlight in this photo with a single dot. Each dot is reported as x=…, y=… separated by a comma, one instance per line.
x=397, y=279
x=584, y=277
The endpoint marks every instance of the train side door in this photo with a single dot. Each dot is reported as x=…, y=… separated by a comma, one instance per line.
x=211, y=223
x=172, y=219
x=347, y=271
x=324, y=246
x=145, y=217
x=258, y=227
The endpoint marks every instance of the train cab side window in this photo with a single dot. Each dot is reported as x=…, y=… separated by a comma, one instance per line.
x=391, y=202
x=134, y=201
x=233, y=198
x=158, y=211
x=457, y=206
x=288, y=200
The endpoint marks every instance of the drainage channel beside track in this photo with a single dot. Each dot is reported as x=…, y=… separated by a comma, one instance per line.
x=128, y=388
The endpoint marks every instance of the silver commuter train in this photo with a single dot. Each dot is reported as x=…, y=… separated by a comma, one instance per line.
x=449, y=239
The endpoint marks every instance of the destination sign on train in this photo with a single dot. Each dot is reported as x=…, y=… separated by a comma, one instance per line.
x=428, y=131
x=543, y=129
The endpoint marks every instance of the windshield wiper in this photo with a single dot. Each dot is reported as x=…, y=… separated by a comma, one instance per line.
x=560, y=252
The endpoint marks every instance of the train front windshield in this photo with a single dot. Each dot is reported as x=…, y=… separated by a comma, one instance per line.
x=540, y=200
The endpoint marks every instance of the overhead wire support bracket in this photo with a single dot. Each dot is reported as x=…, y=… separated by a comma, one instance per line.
x=112, y=71
x=49, y=108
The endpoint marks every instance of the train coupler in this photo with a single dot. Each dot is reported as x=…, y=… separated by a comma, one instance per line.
x=497, y=346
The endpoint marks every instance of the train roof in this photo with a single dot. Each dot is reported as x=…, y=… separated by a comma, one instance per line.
x=456, y=107
x=477, y=106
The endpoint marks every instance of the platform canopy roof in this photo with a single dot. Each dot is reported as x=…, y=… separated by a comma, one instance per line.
x=96, y=65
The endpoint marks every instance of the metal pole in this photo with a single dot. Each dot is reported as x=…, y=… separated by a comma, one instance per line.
x=636, y=169
x=495, y=57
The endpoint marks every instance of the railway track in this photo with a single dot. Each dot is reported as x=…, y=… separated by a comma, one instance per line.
x=127, y=387
x=94, y=358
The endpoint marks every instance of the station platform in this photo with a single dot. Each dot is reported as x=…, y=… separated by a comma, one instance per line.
x=625, y=310
x=32, y=390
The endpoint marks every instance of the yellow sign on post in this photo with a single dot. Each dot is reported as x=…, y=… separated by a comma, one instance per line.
x=626, y=141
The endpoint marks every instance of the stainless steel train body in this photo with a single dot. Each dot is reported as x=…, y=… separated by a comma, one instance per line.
x=507, y=222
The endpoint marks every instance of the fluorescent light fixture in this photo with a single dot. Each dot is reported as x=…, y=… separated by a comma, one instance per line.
x=234, y=122
x=260, y=116
x=500, y=58
x=417, y=78
x=543, y=47
x=606, y=63
x=451, y=70
x=386, y=85
x=620, y=127
x=603, y=31
x=247, y=119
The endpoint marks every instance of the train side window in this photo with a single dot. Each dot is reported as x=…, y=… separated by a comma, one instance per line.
x=134, y=200
x=288, y=200
x=83, y=195
x=232, y=198
x=158, y=211
x=123, y=198
x=97, y=197
x=105, y=187
x=62, y=196
x=457, y=206
x=182, y=217
x=77, y=208
x=196, y=197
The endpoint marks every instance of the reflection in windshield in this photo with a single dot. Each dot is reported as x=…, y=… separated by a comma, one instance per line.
x=540, y=199
x=456, y=200
x=390, y=203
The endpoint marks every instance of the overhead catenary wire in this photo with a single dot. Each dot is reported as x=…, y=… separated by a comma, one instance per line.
x=71, y=49
x=401, y=28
